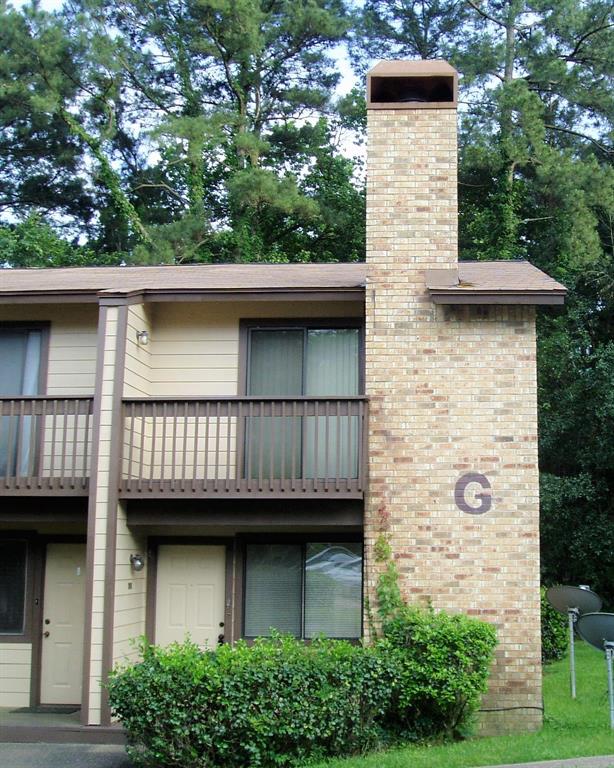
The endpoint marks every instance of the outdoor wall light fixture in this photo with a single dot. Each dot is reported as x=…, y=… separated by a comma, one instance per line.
x=137, y=562
x=142, y=338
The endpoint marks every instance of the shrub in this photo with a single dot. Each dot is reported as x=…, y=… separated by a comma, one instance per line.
x=280, y=701
x=554, y=632
x=442, y=664
x=277, y=702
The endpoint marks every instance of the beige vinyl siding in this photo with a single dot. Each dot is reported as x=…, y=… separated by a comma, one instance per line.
x=137, y=383
x=72, y=343
x=137, y=374
x=195, y=347
x=130, y=592
x=15, y=672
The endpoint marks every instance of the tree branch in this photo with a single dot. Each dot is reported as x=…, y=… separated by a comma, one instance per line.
x=583, y=38
x=539, y=218
x=162, y=185
x=485, y=15
x=607, y=150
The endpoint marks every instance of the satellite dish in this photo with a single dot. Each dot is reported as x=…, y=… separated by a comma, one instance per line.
x=598, y=630
x=573, y=602
x=564, y=599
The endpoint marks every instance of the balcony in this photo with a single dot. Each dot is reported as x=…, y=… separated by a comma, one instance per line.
x=241, y=447
x=45, y=445
x=244, y=447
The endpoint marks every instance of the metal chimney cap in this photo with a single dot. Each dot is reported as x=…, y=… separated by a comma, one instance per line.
x=412, y=68
x=420, y=84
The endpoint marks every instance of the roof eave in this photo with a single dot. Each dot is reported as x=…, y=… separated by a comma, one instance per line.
x=304, y=293
x=468, y=296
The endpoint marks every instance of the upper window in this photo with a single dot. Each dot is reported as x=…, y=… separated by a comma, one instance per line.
x=290, y=362
x=13, y=564
x=20, y=352
x=296, y=362
x=304, y=590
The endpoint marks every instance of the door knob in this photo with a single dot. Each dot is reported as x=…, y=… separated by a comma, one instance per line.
x=220, y=639
x=47, y=621
x=221, y=623
x=46, y=634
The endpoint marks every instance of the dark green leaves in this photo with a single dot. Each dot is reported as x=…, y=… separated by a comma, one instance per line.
x=282, y=702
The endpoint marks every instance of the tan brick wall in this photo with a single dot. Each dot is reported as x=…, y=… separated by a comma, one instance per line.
x=452, y=391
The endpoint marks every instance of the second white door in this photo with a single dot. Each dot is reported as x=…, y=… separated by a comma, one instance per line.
x=63, y=612
x=190, y=589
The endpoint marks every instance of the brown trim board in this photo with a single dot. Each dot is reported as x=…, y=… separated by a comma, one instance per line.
x=228, y=596
x=91, y=515
x=246, y=513
x=151, y=588
x=193, y=295
x=28, y=510
x=467, y=296
x=37, y=621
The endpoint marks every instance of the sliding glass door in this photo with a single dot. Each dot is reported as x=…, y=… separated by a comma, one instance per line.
x=274, y=443
x=20, y=356
x=322, y=362
x=331, y=369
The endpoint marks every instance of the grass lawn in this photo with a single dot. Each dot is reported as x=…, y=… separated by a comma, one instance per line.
x=571, y=728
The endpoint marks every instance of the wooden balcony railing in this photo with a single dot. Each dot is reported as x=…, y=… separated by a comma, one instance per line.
x=45, y=445
x=244, y=447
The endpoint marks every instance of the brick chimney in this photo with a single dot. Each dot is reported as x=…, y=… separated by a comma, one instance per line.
x=412, y=160
x=453, y=480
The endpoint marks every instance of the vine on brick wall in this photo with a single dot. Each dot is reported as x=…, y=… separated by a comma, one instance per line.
x=387, y=590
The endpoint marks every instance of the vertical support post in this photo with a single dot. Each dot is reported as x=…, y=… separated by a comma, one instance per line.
x=572, y=617
x=107, y=439
x=609, y=656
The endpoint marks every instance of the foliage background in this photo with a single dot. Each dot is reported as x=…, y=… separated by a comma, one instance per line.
x=190, y=131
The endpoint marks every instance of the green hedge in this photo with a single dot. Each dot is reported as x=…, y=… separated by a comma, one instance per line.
x=554, y=632
x=442, y=666
x=280, y=701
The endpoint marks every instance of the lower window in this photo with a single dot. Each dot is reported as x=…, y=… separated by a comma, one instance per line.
x=13, y=556
x=305, y=590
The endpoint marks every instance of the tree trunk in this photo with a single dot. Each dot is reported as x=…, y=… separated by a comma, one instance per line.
x=109, y=177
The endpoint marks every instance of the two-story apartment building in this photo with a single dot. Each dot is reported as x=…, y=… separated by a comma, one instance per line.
x=215, y=449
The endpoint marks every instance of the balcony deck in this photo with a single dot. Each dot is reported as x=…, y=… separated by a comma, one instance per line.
x=244, y=447
x=227, y=447
x=45, y=445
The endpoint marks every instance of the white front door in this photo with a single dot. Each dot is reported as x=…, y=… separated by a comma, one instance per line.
x=190, y=588
x=63, y=619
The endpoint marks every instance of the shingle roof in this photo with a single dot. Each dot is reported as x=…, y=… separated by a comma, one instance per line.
x=188, y=278
x=493, y=282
